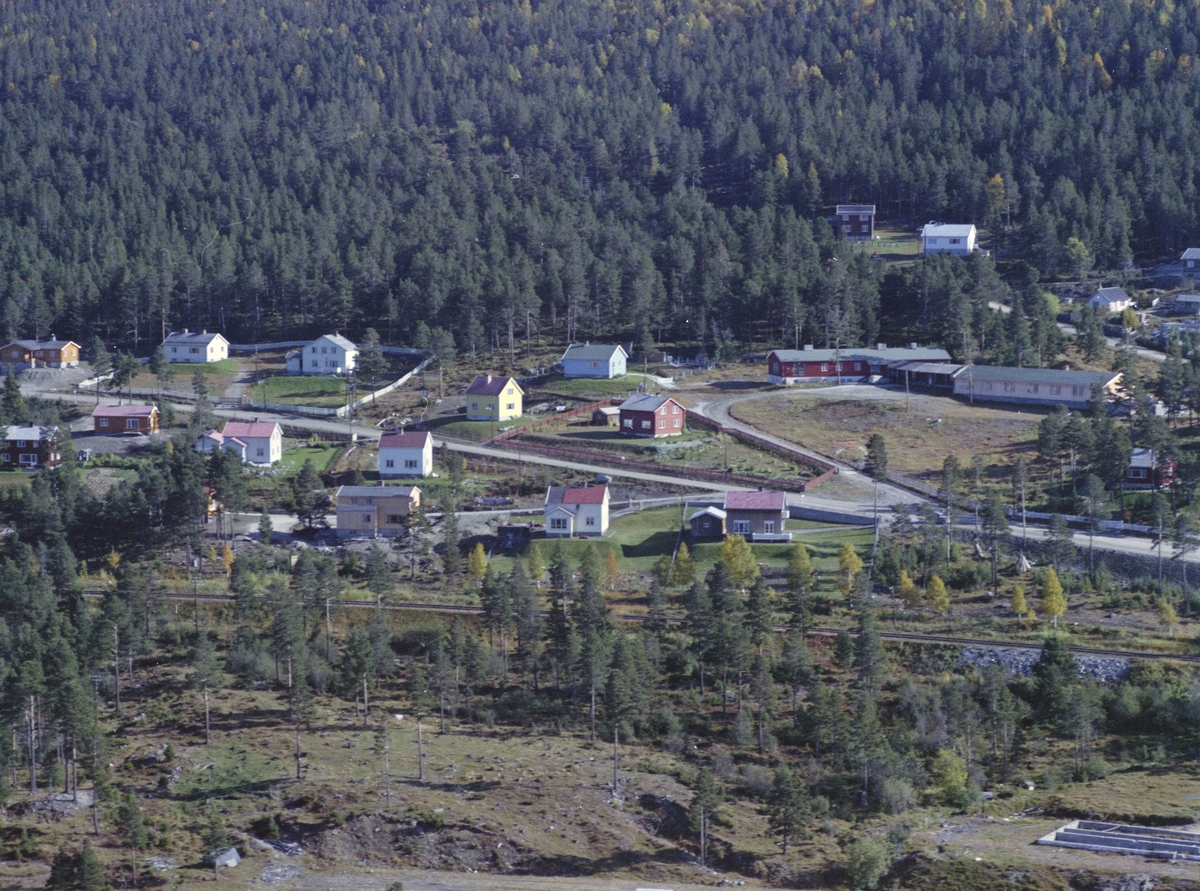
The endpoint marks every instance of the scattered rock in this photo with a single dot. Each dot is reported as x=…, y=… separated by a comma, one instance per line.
x=277, y=874
x=1019, y=660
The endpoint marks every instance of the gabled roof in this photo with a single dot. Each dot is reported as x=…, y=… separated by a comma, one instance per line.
x=592, y=352
x=1036, y=375
x=576, y=495
x=1110, y=295
x=709, y=511
x=646, y=402
x=1191, y=254
x=124, y=411
x=192, y=337
x=926, y=367
x=29, y=434
x=890, y=355
x=759, y=500
x=1143, y=458
x=44, y=344
x=338, y=340
x=1188, y=298
x=855, y=208
x=411, y=440
x=491, y=385
x=947, y=230
x=377, y=491
x=249, y=429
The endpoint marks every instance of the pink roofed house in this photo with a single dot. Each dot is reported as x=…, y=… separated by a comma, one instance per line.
x=256, y=442
x=577, y=510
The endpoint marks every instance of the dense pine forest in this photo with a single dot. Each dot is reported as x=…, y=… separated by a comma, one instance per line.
x=660, y=172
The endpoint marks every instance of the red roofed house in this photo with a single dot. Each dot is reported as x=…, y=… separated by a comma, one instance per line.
x=256, y=442
x=125, y=419
x=405, y=454
x=755, y=513
x=578, y=510
x=652, y=416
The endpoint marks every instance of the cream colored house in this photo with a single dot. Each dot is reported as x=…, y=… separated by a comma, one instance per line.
x=195, y=347
x=373, y=511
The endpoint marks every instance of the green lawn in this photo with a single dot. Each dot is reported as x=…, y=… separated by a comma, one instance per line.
x=618, y=386
x=325, y=392
x=458, y=427
x=322, y=457
x=639, y=539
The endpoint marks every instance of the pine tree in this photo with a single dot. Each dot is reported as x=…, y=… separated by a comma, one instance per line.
x=537, y=564
x=266, y=528
x=705, y=805
x=477, y=562
x=452, y=556
x=800, y=582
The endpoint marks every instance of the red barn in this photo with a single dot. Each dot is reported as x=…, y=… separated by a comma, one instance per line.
x=652, y=416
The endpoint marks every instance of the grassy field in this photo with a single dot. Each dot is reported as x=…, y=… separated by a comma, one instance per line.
x=325, y=392
x=598, y=388
x=457, y=426
x=917, y=445
x=640, y=539
x=890, y=244
x=322, y=457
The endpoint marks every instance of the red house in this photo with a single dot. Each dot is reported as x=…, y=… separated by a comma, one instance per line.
x=29, y=448
x=857, y=221
x=849, y=364
x=652, y=416
x=125, y=419
x=1145, y=471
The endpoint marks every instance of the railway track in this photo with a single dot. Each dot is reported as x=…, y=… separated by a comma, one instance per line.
x=897, y=636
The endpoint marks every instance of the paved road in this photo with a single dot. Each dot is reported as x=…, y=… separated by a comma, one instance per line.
x=1115, y=343
x=719, y=410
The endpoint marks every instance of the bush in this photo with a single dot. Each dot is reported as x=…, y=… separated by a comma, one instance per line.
x=866, y=863
x=757, y=781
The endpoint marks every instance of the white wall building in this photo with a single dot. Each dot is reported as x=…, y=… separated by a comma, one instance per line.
x=195, y=347
x=947, y=238
x=256, y=442
x=405, y=454
x=328, y=354
x=579, y=510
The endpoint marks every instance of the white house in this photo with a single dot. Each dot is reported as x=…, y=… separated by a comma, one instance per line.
x=947, y=238
x=195, y=347
x=1107, y=301
x=594, y=360
x=405, y=454
x=578, y=510
x=255, y=442
x=328, y=354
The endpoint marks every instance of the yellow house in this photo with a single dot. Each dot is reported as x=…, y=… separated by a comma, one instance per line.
x=494, y=398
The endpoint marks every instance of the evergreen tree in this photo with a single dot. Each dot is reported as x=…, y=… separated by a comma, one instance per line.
x=705, y=806
x=800, y=581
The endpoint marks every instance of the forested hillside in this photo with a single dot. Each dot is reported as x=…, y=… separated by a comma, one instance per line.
x=650, y=170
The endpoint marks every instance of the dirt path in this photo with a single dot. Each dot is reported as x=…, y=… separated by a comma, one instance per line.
x=422, y=880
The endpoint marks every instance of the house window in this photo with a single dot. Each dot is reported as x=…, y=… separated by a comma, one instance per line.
x=508, y=392
x=1137, y=473
x=674, y=409
x=20, y=443
x=662, y=425
x=314, y=349
x=954, y=241
x=558, y=523
x=866, y=228
x=194, y=350
x=858, y=366
x=395, y=519
x=593, y=365
x=824, y=366
x=131, y=423
x=846, y=229
x=260, y=453
x=390, y=462
x=31, y=460
x=677, y=422
x=769, y=527
x=104, y=422
x=741, y=527
x=367, y=518
x=1056, y=390
x=590, y=521
x=646, y=425
x=628, y=423
x=410, y=463
x=510, y=405
x=474, y=405
x=7, y=458
x=862, y=218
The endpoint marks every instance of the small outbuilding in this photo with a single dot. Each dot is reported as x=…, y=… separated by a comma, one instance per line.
x=708, y=522
x=225, y=857
x=606, y=416
x=1187, y=304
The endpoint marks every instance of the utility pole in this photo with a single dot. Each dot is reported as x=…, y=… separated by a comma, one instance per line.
x=616, y=739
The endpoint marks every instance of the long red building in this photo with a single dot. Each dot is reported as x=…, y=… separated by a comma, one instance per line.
x=850, y=364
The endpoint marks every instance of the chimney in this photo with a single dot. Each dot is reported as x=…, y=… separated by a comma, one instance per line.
x=185, y=330
x=808, y=346
x=382, y=483
x=881, y=346
x=912, y=346
x=203, y=330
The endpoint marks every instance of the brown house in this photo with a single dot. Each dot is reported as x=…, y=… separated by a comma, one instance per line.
x=125, y=419
x=41, y=353
x=29, y=448
x=755, y=513
x=708, y=522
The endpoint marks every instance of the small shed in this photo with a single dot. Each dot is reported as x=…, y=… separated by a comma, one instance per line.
x=606, y=416
x=708, y=522
x=1187, y=304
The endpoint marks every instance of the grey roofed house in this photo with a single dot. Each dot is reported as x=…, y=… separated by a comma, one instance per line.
x=645, y=402
x=1189, y=303
x=1032, y=386
x=1192, y=254
x=884, y=356
x=592, y=351
x=191, y=337
x=340, y=340
x=1113, y=299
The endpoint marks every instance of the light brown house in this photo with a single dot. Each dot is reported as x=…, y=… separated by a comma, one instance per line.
x=755, y=513
x=373, y=511
x=41, y=353
x=125, y=419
